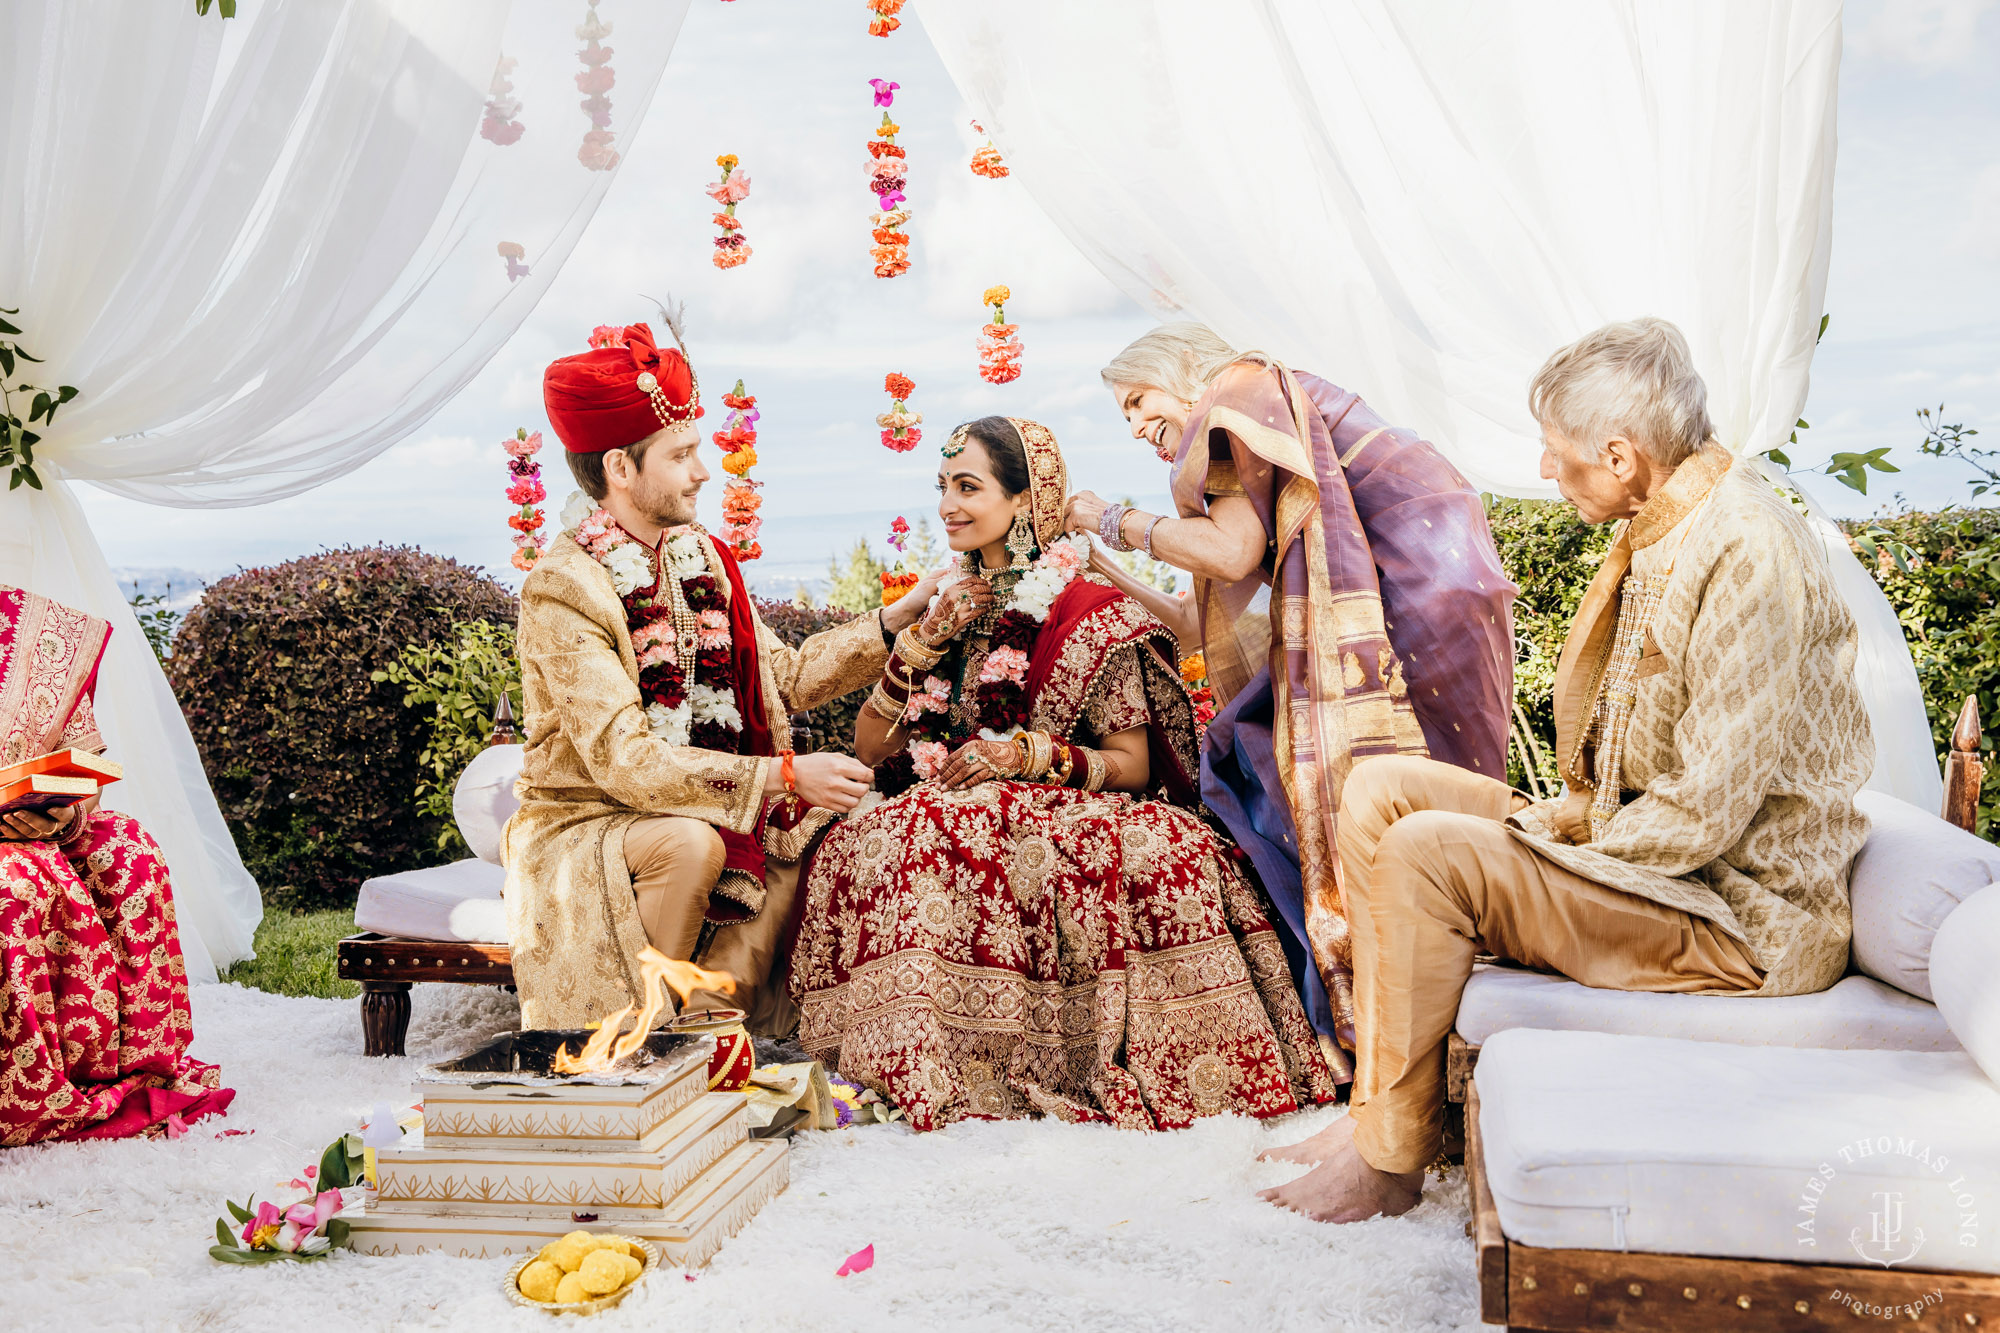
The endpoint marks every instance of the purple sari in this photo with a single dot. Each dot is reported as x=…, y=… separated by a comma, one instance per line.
x=1389, y=631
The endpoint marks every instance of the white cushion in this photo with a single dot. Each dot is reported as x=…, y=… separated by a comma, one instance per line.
x=1965, y=972
x=1684, y=1147
x=1857, y=1013
x=1913, y=870
x=484, y=799
x=460, y=901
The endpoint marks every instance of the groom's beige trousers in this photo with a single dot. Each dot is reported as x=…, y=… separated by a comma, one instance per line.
x=1432, y=877
x=675, y=862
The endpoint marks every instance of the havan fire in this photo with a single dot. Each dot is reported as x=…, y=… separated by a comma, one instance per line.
x=609, y=1045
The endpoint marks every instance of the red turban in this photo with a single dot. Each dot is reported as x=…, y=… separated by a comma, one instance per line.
x=622, y=390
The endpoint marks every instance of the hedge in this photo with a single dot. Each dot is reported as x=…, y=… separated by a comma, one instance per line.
x=315, y=761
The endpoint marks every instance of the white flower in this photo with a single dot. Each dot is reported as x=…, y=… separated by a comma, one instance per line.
x=988, y=734
x=713, y=705
x=670, y=724
x=631, y=567
x=576, y=509
x=686, y=557
x=1044, y=582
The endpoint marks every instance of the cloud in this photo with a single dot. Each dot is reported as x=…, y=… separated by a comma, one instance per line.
x=1930, y=34
x=1979, y=231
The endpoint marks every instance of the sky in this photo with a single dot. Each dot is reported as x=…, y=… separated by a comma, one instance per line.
x=1913, y=291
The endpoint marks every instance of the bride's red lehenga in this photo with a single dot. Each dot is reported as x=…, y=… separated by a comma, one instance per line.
x=1019, y=948
x=94, y=1021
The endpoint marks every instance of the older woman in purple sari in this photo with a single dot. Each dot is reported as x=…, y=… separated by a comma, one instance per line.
x=1388, y=629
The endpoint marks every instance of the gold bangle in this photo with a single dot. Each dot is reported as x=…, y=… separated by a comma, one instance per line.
x=886, y=707
x=1041, y=754
x=1095, y=769
x=1062, y=765
x=920, y=656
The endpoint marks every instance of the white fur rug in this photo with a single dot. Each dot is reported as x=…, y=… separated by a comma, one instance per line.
x=980, y=1226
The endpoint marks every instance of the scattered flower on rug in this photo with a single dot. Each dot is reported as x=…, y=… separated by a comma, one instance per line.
x=1194, y=674
x=731, y=247
x=899, y=423
x=525, y=490
x=308, y=1226
x=986, y=161
x=885, y=20
x=499, y=125
x=856, y=1105
x=862, y=1259
x=999, y=341
x=888, y=169
x=740, y=502
x=596, y=152
x=513, y=252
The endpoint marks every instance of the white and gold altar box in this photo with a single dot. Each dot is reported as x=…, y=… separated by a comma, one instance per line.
x=503, y=1094
x=689, y=1229
x=501, y=1179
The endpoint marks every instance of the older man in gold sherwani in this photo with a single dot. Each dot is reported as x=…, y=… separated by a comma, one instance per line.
x=1711, y=735
x=659, y=804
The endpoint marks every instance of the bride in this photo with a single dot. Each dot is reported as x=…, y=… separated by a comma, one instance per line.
x=1037, y=921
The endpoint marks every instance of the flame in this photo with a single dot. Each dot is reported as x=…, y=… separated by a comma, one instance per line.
x=607, y=1046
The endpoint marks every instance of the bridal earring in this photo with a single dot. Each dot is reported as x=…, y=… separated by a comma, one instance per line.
x=1021, y=541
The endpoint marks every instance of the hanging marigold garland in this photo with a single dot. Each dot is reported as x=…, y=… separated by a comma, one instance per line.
x=899, y=423
x=885, y=20
x=986, y=161
x=524, y=489
x=740, y=502
x=888, y=169
x=597, y=78
x=732, y=247
x=513, y=252
x=498, y=125
x=898, y=579
x=999, y=342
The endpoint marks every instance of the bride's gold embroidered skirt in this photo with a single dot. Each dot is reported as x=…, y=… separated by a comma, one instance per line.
x=1018, y=949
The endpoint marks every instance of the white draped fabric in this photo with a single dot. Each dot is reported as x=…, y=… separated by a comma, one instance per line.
x=264, y=250
x=1422, y=201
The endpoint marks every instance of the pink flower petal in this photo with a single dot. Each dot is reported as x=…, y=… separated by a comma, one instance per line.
x=859, y=1262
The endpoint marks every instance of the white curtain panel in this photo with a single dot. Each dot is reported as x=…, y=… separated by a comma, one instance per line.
x=264, y=250
x=1422, y=201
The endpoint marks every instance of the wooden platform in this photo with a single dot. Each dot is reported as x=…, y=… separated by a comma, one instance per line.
x=1523, y=1286
x=386, y=967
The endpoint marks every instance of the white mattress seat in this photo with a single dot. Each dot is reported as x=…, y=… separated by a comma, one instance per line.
x=1664, y=1146
x=460, y=901
x=1856, y=1013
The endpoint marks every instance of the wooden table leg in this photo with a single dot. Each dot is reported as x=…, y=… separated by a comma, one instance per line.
x=385, y=1016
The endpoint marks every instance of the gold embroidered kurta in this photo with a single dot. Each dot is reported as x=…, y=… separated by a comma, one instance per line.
x=591, y=767
x=1746, y=738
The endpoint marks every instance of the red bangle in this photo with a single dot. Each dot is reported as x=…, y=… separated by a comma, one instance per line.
x=785, y=771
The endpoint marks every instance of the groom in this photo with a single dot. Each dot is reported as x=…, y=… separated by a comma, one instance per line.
x=660, y=803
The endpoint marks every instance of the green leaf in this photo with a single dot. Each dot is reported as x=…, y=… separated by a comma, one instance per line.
x=237, y=1211
x=333, y=1167
x=1824, y=320
x=5, y=327
x=222, y=1231
x=42, y=404
x=336, y=1231
x=1778, y=456
x=6, y=360
x=64, y=393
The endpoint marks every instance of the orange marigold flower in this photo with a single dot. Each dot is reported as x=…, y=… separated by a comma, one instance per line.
x=728, y=161
x=1194, y=670
x=899, y=386
x=986, y=162
x=997, y=296
x=741, y=461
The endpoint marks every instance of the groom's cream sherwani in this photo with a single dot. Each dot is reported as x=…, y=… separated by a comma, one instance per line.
x=592, y=768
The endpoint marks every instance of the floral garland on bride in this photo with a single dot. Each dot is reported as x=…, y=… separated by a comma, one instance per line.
x=1001, y=692
x=679, y=627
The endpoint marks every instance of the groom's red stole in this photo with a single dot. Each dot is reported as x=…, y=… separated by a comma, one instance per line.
x=744, y=851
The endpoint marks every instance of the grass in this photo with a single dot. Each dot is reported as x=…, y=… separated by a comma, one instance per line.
x=295, y=955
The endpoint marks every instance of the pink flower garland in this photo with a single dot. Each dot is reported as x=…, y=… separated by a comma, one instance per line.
x=596, y=153
x=499, y=125
x=740, y=502
x=888, y=169
x=513, y=253
x=899, y=423
x=731, y=248
x=999, y=343
x=986, y=161
x=525, y=490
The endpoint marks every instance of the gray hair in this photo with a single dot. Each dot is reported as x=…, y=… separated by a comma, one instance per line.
x=1180, y=358
x=1635, y=379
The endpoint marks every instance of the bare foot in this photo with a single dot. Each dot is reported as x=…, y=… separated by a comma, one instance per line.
x=1313, y=1151
x=1344, y=1188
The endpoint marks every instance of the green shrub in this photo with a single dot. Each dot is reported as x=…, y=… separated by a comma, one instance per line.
x=831, y=725
x=1945, y=600
x=459, y=680
x=312, y=759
